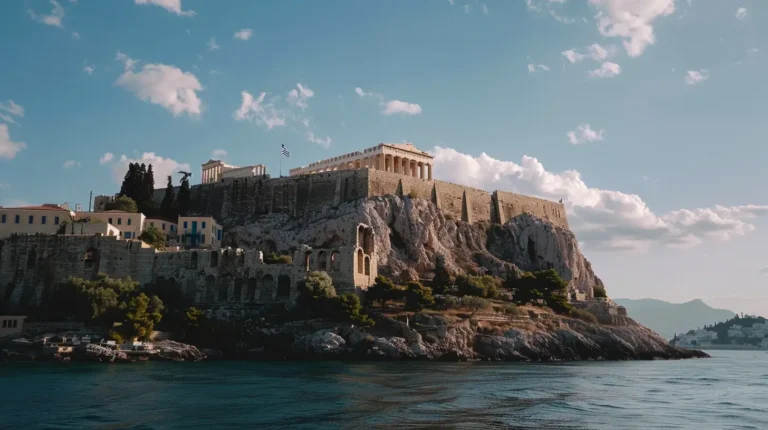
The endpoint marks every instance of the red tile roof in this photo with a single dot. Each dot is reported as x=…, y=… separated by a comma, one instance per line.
x=39, y=208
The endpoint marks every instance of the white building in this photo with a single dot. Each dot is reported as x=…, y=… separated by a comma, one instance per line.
x=215, y=170
x=697, y=339
x=11, y=324
x=33, y=219
x=401, y=158
x=91, y=228
x=199, y=232
x=130, y=224
x=170, y=228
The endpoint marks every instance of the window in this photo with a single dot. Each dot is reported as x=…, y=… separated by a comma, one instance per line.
x=5, y=323
x=3, y=219
x=16, y=219
x=119, y=221
x=203, y=238
x=203, y=225
x=110, y=221
x=185, y=224
x=56, y=220
x=129, y=221
x=152, y=223
x=15, y=323
x=163, y=226
x=31, y=219
x=44, y=219
x=172, y=227
x=219, y=235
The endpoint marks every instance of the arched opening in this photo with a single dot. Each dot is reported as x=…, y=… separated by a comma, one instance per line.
x=266, y=288
x=268, y=247
x=368, y=241
x=239, y=282
x=193, y=261
x=360, y=232
x=253, y=286
x=223, y=289
x=210, y=288
x=283, y=286
x=241, y=261
x=214, y=259
x=335, y=263
x=367, y=265
x=31, y=259
x=360, y=261
x=91, y=260
x=307, y=256
x=225, y=258
x=322, y=261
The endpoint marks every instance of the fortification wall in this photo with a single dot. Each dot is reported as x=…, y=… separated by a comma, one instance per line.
x=511, y=205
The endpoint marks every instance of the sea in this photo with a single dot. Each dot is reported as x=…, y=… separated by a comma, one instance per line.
x=729, y=390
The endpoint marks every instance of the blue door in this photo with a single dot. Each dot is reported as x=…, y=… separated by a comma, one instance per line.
x=194, y=234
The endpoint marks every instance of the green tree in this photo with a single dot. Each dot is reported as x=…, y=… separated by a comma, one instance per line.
x=183, y=199
x=129, y=186
x=475, y=304
x=122, y=203
x=146, y=198
x=485, y=286
x=417, y=296
x=141, y=315
x=319, y=285
x=153, y=236
x=545, y=285
x=350, y=309
x=443, y=278
x=599, y=291
x=168, y=207
x=382, y=290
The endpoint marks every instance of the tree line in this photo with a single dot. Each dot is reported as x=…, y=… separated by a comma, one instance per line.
x=137, y=194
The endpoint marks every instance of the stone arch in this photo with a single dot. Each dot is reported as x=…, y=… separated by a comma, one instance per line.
x=368, y=241
x=360, y=260
x=224, y=288
x=283, y=286
x=322, y=261
x=31, y=258
x=367, y=265
x=241, y=259
x=210, y=288
x=266, y=288
x=360, y=233
x=253, y=288
x=268, y=246
x=335, y=263
x=214, y=259
x=193, y=261
x=239, y=282
x=307, y=259
x=225, y=259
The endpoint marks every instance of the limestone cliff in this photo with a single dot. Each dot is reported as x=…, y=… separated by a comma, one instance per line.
x=411, y=233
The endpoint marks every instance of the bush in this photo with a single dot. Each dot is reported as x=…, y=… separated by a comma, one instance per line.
x=273, y=258
x=154, y=237
x=447, y=302
x=443, y=279
x=599, y=292
x=319, y=285
x=412, y=194
x=122, y=203
x=475, y=304
x=544, y=286
x=418, y=297
x=584, y=315
x=384, y=289
x=349, y=309
x=512, y=310
x=485, y=286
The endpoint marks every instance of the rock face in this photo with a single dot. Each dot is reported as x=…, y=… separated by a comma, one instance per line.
x=171, y=350
x=411, y=233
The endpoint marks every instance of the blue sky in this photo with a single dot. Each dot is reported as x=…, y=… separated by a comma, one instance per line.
x=665, y=99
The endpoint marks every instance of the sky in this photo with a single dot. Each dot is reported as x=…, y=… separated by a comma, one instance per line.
x=645, y=116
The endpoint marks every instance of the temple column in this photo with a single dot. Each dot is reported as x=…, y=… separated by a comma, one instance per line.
x=406, y=167
x=429, y=172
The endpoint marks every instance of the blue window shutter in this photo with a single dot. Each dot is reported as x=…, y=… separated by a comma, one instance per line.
x=31, y=219
x=56, y=220
x=44, y=219
x=3, y=219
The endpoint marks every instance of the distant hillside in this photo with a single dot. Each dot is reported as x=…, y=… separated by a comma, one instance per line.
x=669, y=318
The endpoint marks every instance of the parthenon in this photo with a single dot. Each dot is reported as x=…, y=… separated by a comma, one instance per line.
x=402, y=158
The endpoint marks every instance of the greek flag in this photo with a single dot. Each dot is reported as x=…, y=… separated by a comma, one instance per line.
x=284, y=151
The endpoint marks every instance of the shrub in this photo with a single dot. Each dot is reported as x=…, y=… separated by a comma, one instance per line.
x=599, y=291
x=443, y=278
x=447, y=302
x=384, y=289
x=584, y=315
x=485, y=286
x=273, y=258
x=512, y=310
x=544, y=286
x=475, y=304
x=122, y=203
x=417, y=297
x=154, y=237
x=412, y=194
x=349, y=309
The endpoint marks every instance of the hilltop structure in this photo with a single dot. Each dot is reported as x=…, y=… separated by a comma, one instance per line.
x=401, y=158
x=215, y=170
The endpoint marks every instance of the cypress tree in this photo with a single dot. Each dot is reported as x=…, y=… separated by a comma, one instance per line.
x=147, y=197
x=182, y=200
x=126, y=187
x=168, y=206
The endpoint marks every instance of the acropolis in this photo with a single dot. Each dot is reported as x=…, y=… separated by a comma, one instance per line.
x=402, y=158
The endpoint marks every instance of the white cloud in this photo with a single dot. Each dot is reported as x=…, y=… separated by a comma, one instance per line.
x=393, y=107
x=54, y=18
x=467, y=8
x=539, y=5
x=607, y=70
x=7, y=118
x=9, y=148
x=595, y=52
x=76, y=35
x=12, y=108
x=741, y=13
x=173, y=6
x=631, y=20
x=584, y=133
x=161, y=167
x=244, y=34
x=219, y=153
x=265, y=114
x=694, y=77
x=533, y=67
x=484, y=9
x=106, y=158
x=324, y=142
x=299, y=96
x=163, y=85
x=212, y=46
x=88, y=69
x=69, y=164
x=600, y=218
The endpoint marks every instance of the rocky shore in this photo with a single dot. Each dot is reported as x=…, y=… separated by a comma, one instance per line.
x=34, y=349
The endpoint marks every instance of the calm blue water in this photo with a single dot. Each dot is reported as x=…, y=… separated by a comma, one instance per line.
x=727, y=391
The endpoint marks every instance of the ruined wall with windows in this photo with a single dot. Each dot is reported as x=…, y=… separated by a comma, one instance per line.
x=32, y=266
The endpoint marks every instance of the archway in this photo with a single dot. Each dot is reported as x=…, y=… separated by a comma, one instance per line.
x=307, y=257
x=239, y=282
x=193, y=261
x=253, y=285
x=322, y=261
x=335, y=263
x=360, y=261
x=266, y=288
x=210, y=288
x=214, y=258
x=367, y=265
x=31, y=259
x=283, y=286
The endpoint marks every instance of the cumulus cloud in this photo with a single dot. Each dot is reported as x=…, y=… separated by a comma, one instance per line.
x=532, y=68
x=391, y=107
x=69, y=164
x=549, y=6
x=601, y=219
x=12, y=110
x=584, y=133
x=219, y=153
x=173, y=6
x=163, y=85
x=631, y=20
x=299, y=96
x=161, y=167
x=243, y=34
x=9, y=148
x=606, y=70
x=106, y=158
x=741, y=13
x=694, y=77
x=54, y=18
x=265, y=114
x=595, y=52
x=325, y=142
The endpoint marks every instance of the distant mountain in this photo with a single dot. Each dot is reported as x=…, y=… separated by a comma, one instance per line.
x=669, y=318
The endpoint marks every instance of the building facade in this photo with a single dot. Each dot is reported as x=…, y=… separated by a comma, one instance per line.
x=170, y=228
x=199, y=232
x=44, y=219
x=91, y=228
x=401, y=158
x=11, y=325
x=130, y=224
x=245, y=172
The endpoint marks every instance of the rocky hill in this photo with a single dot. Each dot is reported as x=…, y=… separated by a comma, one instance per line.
x=669, y=318
x=411, y=233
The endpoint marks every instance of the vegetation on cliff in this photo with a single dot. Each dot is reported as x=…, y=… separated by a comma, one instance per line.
x=153, y=236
